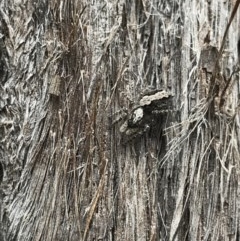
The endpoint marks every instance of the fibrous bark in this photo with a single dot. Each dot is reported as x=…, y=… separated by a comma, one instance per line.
x=71, y=74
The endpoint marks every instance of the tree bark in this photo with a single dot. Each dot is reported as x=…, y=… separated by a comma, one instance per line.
x=83, y=157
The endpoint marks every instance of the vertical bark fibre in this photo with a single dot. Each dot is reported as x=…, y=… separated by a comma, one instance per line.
x=71, y=74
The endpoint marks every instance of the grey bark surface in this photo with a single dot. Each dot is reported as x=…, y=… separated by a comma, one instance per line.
x=71, y=74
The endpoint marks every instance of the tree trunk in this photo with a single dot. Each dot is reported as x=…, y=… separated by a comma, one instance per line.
x=119, y=120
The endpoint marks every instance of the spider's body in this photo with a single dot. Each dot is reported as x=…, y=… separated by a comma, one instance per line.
x=148, y=114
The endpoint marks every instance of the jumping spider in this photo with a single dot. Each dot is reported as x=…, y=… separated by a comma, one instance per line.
x=149, y=113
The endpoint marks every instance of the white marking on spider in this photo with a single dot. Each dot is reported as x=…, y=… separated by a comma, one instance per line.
x=137, y=115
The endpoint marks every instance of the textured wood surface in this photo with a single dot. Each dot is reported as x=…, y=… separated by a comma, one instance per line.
x=67, y=69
